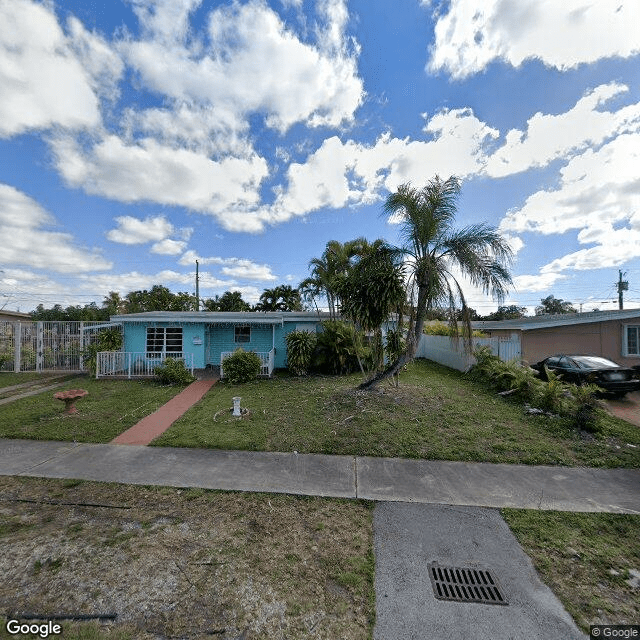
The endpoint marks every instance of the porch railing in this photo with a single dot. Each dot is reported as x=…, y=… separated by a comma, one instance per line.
x=135, y=364
x=267, y=358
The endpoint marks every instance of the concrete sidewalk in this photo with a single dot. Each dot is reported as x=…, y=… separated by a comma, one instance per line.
x=380, y=479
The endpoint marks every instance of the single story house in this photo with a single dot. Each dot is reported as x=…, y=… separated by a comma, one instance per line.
x=202, y=339
x=13, y=316
x=610, y=334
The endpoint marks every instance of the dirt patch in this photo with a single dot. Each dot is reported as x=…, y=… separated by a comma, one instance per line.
x=186, y=563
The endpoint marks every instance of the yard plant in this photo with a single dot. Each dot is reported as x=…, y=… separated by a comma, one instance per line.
x=173, y=371
x=300, y=347
x=241, y=366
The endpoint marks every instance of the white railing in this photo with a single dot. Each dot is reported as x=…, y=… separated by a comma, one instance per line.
x=267, y=359
x=140, y=364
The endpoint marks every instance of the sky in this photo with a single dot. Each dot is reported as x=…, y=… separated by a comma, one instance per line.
x=138, y=136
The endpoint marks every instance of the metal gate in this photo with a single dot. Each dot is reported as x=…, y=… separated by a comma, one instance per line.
x=45, y=346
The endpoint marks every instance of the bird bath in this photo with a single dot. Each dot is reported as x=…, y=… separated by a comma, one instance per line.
x=236, y=406
x=69, y=398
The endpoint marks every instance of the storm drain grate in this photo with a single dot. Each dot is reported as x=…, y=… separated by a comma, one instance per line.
x=465, y=585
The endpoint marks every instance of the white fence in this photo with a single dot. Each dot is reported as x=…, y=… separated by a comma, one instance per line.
x=266, y=357
x=45, y=346
x=130, y=364
x=452, y=353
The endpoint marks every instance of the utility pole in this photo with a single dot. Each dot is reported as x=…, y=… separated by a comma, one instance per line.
x=623, y=285
x=197, y=288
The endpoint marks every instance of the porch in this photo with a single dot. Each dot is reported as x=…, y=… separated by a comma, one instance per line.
x=135, y=364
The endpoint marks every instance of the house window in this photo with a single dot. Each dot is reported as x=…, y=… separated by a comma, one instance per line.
x=633, y=341
x=242, y=334
x=164, y=339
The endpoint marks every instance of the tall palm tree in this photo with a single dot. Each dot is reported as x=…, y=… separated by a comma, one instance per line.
x=433, y=248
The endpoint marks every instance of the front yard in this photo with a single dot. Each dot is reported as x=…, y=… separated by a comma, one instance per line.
x=436, y=413
x=111, y=407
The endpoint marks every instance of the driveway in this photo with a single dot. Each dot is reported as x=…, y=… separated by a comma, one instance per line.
x=627, y=408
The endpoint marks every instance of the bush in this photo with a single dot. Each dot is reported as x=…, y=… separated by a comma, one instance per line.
x=338, y=348
x=173, y=371
x=443, y=329
x=300, y=346
x=241, y=366
x=395, y=344
x=107, y=340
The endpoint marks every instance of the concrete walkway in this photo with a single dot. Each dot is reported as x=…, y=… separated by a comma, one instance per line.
x=155, y=424
x=380, y=479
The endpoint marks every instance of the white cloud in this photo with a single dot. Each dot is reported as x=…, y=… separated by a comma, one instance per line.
x=251, y=62
x=149, y=171
x=41, y=82
x=560, y=34
x=555, y=136
x=21, y=226
x=234, y=267
x=135, y=231
x=169, y=247
x=540, y=282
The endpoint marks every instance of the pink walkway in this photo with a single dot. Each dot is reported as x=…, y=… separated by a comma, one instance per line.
x=157, y=423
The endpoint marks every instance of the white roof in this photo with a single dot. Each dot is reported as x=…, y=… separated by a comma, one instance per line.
x=220, y=317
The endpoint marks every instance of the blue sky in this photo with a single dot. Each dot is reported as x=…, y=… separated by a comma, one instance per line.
x=138, y=136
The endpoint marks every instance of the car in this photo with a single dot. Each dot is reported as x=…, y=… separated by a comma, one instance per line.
x=605, y=373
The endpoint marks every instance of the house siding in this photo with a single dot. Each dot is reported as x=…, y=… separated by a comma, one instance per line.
x=598, y=338
x=222, y=338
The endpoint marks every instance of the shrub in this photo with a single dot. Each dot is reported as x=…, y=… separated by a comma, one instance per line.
x=300, y=346
x=443, y=329
x=107, y=340
x=338, y=348
x=395, y=344
x=173, y=371
x=587, y=410
x=241, y=366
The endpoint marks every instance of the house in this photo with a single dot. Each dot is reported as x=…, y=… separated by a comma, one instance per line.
x=202, y=339
x=13, y=316
x=611, y=334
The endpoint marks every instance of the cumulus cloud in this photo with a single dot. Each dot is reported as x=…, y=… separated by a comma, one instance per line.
x=151, y=172
x=563, y=35
x=540, y=282
x=226, y=67
x=42, y=83
x=135, y=231
x=23, y=225
x=234, y=267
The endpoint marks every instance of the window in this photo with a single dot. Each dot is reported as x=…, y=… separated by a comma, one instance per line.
x=242, y=334
x=164, y=339
x=633, y=341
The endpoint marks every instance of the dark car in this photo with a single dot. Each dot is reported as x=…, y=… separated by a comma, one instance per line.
x=591, y=369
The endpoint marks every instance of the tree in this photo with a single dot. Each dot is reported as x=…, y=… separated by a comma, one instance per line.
x=433, y=248
x=511, y=312
x=371, y=290
x=554, y=305
x=228, y=301
x=158, y=298
x=328, y=270
x=281, y=298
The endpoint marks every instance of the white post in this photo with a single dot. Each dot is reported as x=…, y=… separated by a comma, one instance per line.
x=81, y=362
x=39, y=347
x=236, y=406
x=17, y=346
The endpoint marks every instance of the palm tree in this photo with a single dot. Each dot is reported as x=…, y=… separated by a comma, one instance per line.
x=281, y=298
x=433, y=248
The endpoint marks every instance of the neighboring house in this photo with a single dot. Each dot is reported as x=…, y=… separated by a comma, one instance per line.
x=203, y=338
x=611, y=334
x=14, y=316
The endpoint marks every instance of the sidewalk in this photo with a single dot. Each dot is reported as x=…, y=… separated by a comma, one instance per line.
x=380, y=479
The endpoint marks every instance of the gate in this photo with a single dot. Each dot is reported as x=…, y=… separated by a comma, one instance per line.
x=45, y=346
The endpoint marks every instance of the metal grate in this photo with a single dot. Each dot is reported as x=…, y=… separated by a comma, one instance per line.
x=465, y=585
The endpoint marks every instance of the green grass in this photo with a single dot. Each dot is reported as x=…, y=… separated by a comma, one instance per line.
x=436, y=414
x=8, y=379
x=575, y=554
x=111, y=407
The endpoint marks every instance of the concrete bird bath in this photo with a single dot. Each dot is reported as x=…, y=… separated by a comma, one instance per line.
x=69, y=398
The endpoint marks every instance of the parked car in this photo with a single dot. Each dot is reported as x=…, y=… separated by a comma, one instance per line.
x=591, y=369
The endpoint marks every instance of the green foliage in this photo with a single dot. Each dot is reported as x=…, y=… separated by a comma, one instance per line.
x=443, y=329
x=553, y=305
x=107, y=340
x=577, y=403
x=241, y=366
x=173, y=371
x=300, y=347
x=229, y=301
x=338, y=348
x=395, y=344
x=281, y=298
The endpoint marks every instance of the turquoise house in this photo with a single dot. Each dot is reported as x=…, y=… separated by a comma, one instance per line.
x=202, y=339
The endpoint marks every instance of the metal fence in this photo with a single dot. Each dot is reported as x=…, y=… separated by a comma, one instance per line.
x=267, y=359
x=135, y=364
x=45, y=346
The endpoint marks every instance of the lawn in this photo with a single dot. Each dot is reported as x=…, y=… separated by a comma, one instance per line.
x=8, y=379
x=436, y=413
x=111, y=407
x=585, y=559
